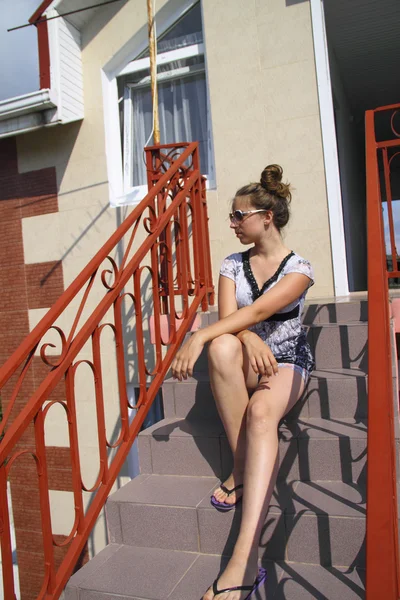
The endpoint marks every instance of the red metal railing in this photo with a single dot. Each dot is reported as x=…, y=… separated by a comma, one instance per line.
x=382, y=561
x=167, y=272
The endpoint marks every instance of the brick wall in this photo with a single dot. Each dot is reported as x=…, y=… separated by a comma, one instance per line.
x=23, y=287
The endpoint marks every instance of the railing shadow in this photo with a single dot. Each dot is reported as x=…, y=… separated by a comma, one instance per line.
x=293, y=509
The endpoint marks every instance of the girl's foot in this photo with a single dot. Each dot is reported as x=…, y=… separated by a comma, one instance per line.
x=236, y=573
x=232, y=481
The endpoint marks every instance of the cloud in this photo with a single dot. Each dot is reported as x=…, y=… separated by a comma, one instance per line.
x=19, y=64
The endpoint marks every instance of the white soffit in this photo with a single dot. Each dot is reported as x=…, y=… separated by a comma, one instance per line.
x=364, y=35
x=80, y=19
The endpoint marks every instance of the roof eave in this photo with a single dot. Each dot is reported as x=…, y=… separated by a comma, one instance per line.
x=40, y=10
x=27, y=104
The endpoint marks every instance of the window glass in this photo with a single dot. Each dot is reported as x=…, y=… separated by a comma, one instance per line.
x=182, y=100
x=182, y=106
x=185, y=32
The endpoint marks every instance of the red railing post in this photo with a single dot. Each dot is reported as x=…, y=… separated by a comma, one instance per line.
x=382, y=559
x=41, y=466
x=6, y=549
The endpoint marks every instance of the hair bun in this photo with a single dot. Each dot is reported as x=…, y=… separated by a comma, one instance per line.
x=271, y=181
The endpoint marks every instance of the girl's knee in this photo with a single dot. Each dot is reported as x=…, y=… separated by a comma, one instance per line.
x=261, y=417
x=226, y=347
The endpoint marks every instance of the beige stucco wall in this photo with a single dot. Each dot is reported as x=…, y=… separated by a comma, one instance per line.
x=264, y=109
x=264, y=106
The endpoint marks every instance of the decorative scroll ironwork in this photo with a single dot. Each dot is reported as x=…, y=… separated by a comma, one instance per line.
x=166, y=276
x=392, y=125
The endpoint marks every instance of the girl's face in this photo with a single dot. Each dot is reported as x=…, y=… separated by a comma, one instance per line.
x=253, y=225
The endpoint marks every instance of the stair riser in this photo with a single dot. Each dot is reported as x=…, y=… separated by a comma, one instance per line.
x=341, y=312
x=316, y=314
x=333, y=347
x=306, y=538
x=339, y=347
x=333, y=458
x=326, y=398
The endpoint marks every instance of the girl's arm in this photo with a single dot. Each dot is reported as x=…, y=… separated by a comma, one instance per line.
x=260, y=357
x=287, y=290
x=226, y=297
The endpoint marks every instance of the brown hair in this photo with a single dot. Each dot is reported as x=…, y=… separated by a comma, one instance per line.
x=271, y=194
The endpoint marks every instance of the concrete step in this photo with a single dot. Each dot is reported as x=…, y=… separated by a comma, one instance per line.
x=335, y=312
x=310, y=449
x=316, y=522
x=334, y=346
x=316, y=313
x=127, y=573
x=339, y=346
x=336, y=393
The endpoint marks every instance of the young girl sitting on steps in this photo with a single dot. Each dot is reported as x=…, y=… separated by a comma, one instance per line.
x=259, y=364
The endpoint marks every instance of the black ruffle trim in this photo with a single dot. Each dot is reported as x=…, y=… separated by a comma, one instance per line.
x=256, y=292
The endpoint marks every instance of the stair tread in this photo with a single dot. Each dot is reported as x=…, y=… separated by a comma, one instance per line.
x=166, y=490
x=130, y=573
x=304, y=427
x=335, y=498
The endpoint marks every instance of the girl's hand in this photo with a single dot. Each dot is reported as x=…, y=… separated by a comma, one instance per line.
x=260, y=356
x=184, y=361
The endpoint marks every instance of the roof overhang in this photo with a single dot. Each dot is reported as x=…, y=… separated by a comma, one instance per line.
x=60, y=99
x=28, y=103
x=27, y=113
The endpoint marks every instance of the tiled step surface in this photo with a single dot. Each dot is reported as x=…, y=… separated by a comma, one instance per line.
x=310, y=449
x=122, y=572
x=319, y=522
x=334, y=346
x=167, y=540
x=339, y=312
x=318, y=312
x=331, y=393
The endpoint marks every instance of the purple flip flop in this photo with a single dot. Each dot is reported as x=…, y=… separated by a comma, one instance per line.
x=260, y=579
x=224, y=506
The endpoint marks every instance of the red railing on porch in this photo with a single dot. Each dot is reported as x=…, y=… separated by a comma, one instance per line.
x=382, y=561
x=157, y=264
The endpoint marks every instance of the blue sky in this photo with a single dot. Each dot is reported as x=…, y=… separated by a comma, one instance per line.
x=19, y=69
x=396, y=219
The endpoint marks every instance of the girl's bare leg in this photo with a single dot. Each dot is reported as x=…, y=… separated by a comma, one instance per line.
x=272, y=399
x=230, y=378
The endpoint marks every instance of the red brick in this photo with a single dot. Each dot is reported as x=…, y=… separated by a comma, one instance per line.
x=8, y=155
x=10, y=208
x=31, y=573
x=45, y=283
x=38, y=192
x=22, y=287
x=14, y=327
x=13, y=288
x=59, y=472
x=11, y=249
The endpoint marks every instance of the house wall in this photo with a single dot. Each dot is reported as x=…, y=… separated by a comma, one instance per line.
x=27, y=287
x=264, y=106
x=264, y=109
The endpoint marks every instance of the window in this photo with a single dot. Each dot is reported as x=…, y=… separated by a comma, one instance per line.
x=182, y=100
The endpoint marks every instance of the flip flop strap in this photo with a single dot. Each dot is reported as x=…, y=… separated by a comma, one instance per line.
x=238, y=588
x=229, y=492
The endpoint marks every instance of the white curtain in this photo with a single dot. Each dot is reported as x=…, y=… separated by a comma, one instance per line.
x=183, y=118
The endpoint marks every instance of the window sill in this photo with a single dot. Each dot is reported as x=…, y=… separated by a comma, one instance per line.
x=136, y=194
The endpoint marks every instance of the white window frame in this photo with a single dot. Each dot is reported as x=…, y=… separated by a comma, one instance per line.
x=128, y=134
x=331, y=159
x=120, y=64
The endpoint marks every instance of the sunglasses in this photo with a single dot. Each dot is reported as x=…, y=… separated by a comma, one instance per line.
x=238, y=215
